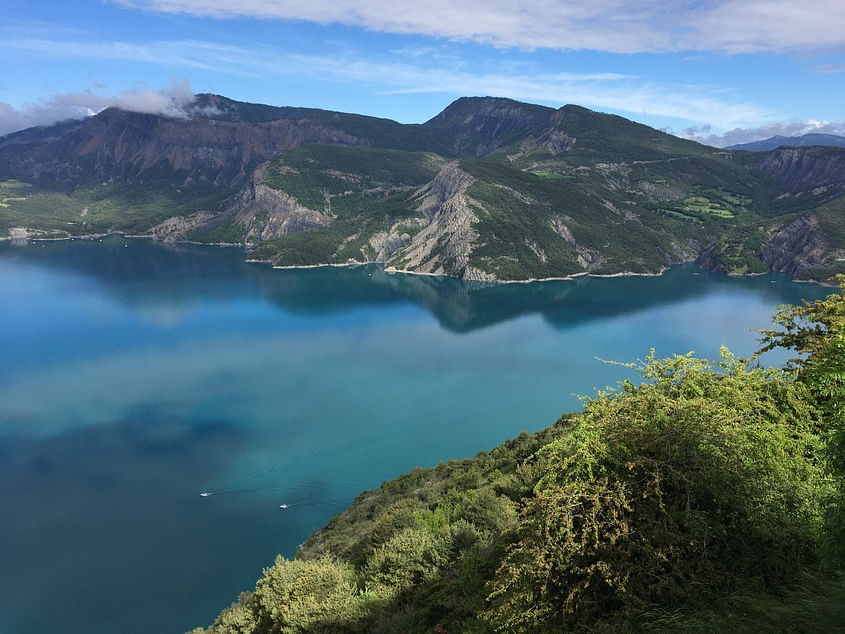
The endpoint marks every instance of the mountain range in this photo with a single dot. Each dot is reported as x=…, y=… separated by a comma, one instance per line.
x=489, y=189
x=775, y=142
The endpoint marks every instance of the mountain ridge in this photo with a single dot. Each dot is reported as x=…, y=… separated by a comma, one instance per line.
x=773, y=143
x=546, y=192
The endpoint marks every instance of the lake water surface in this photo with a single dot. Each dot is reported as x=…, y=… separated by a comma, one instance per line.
x=136, y=376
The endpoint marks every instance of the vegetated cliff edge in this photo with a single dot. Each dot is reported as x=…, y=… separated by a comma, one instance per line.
x=489, y=189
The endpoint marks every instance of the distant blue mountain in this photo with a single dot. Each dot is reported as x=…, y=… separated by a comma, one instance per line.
x=778, y=141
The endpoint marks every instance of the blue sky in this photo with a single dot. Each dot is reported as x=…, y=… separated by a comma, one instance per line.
x=721, y=71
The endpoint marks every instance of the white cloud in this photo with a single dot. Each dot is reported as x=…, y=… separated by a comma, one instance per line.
x=171, y=102
x=760, y=26
x=747, y=135
x=619, y=26
x=75, y=105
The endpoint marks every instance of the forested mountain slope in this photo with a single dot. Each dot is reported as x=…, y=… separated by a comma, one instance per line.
x=489, y=189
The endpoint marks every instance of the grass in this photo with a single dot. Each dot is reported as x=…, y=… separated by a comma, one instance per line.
x=38, y=210
x=702, y=205
x=682, y=216
x=815, y=602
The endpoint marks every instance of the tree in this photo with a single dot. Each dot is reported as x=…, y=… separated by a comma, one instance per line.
x=817, y=332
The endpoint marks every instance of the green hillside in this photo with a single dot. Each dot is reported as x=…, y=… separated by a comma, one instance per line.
x=619, y=197
x=638, y=217
x=489, y=189
x=92, y=210
x=368, y=191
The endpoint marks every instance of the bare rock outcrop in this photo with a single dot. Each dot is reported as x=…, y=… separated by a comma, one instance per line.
x=804, y=166
x=558, y=141
x=707, y=259
x=444, y=246
x=267, y=213
x=181, y=227
x=660, y=192
x=451, y=181
x=795, y=246
x=588, y=258
x=386, y=243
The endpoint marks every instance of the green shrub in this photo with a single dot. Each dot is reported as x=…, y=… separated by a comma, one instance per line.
x=817, y=331
x=399, y=516
x=318, y=595
x=409, y=558
x=488, y=512
x=664, y=491
x=239, y=618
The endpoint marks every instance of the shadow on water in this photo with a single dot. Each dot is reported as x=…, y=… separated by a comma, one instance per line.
x=88, y=514
x=186, y=274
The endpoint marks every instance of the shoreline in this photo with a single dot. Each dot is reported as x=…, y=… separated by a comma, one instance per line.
x=390, y=270
x=387, y=269
x=99, y=236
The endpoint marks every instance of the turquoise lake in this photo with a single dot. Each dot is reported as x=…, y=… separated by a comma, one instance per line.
x=136, y=376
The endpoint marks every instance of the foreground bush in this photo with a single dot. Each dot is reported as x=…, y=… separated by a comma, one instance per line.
x=664, y=490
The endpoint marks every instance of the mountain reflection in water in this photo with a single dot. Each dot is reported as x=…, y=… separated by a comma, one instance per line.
x=138, y=376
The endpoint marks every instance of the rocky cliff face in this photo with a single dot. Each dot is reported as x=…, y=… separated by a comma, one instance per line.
x=707, y=260
x=444, y=246
x=804, y=166
x=267, y=213
x=181, y=227
x=139, y=147
x=791, y=248
x=795, y=246
x=588, y=258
